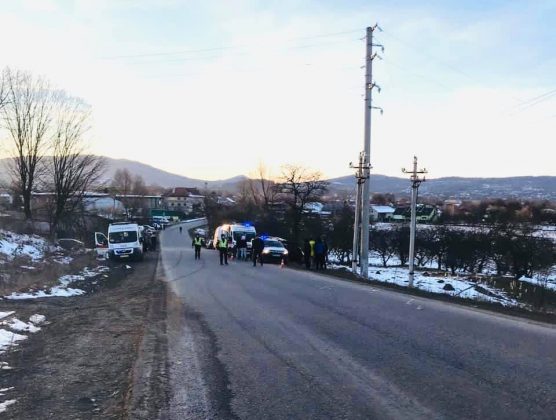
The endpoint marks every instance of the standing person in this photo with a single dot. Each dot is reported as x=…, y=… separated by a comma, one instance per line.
x=325, y=257
x=257, y=246
x=153, y=241
x=307, y=254
x=319, y=254
x=197, y=243
x=242, y=248
x=180, y=230
x=222, y=247
x=312, y=253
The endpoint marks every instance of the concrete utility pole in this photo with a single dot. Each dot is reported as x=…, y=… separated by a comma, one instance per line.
x=415, y=182
x=365, y=196
x=357, y=223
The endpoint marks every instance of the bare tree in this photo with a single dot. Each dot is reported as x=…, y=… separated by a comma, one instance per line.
x=138, y=185
x=27, y=117
x=298, y=187
x=262, y=187
x=122, y=184
x=3, y=89
x=71, y=170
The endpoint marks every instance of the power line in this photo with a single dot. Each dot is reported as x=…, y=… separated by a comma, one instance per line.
x=536, y=100
x=221, y=48
x=404, y=69
x=429, y=55
x=522, y=104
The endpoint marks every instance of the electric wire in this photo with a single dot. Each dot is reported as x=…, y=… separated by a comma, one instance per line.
x=222, y=48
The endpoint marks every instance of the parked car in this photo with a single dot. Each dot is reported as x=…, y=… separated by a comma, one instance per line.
x=274, y=250
x=70, y=244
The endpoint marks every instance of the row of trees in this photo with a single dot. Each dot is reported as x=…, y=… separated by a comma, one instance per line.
x=44, y=130
x=275, y=206
x=500, y=211
x=515, y=250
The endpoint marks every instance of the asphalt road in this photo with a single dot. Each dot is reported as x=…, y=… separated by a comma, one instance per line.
x=266, y=342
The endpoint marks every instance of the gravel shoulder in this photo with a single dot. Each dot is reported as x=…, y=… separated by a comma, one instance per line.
x=82, y=364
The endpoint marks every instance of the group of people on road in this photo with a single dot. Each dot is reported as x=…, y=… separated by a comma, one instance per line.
x=315, y=253
x=257, y=246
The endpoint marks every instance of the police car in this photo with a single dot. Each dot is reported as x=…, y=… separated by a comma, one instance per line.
x=274, y=249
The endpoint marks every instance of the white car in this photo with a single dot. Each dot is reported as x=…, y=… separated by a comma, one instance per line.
x=274, y=250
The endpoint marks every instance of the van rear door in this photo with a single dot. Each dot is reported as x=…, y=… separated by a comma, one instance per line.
x=101, y=244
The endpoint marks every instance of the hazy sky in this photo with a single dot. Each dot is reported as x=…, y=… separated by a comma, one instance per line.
x=208, y=89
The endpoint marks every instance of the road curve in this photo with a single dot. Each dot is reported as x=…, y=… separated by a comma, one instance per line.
x=264, y=342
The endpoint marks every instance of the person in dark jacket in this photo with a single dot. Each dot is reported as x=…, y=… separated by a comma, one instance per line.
x=153, y=241
x=257, y=246
x=325, y=257
x=319, y=254
x=242, y=248
x=307, y=254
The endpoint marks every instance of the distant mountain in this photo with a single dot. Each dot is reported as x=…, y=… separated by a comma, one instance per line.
x=152, y=175
x=524, y=187
x=155, y=176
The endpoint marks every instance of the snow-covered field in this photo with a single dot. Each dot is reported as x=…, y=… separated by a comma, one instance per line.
x=439, y=284
x=444, y=283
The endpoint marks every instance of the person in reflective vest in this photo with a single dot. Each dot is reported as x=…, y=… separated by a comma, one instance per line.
x=222, y=246
x=312, y=244
x=197, y=243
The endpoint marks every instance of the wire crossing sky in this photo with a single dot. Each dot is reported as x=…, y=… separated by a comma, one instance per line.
x=208, y=89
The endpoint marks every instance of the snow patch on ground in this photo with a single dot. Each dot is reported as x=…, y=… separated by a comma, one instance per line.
x=13, y=245
x=17, y=325
x=4, y=405
x=6, y=314
x=439, y=284
x=547, y=280
x=62, y=259
x=37, y=319
x=62, y=290
x=9, y=339
x=56, y=291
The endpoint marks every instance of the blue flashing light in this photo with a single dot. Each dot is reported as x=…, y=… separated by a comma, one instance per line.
x=247, y=224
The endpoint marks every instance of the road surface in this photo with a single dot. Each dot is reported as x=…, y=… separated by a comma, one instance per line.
x=264, y=342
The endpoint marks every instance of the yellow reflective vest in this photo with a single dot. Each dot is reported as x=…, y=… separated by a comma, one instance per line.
x=223, y=243
x=197, y=241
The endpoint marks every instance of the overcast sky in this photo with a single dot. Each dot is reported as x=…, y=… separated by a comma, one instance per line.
x=208, y=89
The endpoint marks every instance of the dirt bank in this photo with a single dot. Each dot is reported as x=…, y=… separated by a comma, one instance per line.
x=81, y=364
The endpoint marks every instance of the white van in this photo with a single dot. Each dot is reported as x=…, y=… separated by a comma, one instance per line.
x=234, y=232
x=125, y=240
